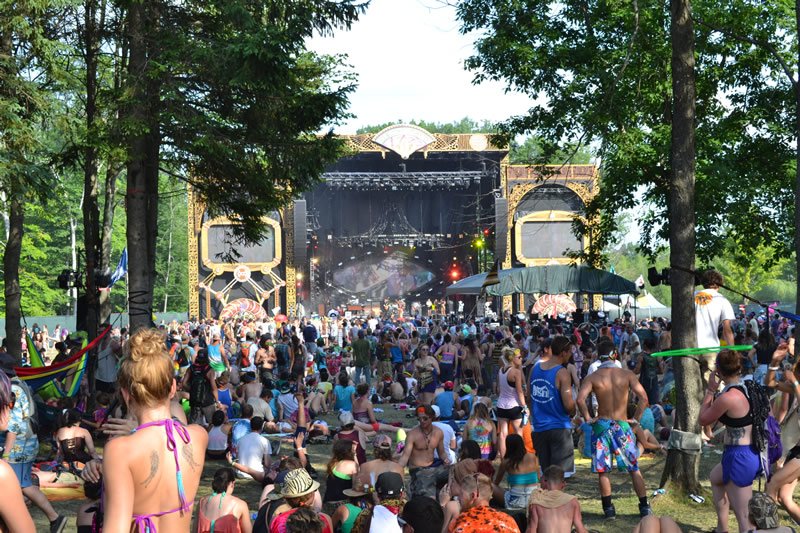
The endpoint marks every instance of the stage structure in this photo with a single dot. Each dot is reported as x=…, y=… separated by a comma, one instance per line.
x=393, y=223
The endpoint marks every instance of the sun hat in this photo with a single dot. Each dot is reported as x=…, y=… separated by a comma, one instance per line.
x=763, y=511
x=436, y=411
x=353, y=493
x=296, y=484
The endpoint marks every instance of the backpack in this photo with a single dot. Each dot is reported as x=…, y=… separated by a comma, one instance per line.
x=766, y=430
x=184, y=357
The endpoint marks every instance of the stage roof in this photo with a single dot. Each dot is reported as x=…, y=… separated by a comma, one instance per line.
x=550, y=279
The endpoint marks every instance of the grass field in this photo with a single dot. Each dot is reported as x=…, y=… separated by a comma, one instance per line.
x=689, y=515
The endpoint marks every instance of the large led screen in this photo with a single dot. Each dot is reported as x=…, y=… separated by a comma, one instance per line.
x=392, y=275
x=548, y=239
x=220, y=244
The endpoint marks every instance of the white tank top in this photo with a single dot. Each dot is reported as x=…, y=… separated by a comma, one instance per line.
x=217, y=440
x=508, y=394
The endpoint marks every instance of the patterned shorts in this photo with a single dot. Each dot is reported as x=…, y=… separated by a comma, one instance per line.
x=613, y=440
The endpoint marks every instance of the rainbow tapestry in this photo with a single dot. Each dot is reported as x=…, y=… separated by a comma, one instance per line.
x=60, y=380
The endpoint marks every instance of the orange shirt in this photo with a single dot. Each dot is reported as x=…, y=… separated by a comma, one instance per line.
x=483, y=520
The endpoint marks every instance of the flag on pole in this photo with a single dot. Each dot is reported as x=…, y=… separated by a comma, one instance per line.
x=121, y=270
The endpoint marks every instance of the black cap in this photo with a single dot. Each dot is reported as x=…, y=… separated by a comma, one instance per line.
x=389, y=484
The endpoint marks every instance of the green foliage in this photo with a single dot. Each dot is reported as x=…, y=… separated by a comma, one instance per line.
x=531, y=152
x=599, y=74
x=243, y=100
x=629, y=263
x=749, y=271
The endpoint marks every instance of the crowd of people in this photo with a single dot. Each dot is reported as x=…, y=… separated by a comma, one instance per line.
x=500, y=409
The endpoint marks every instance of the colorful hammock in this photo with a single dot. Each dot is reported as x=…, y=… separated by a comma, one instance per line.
x=45, y=379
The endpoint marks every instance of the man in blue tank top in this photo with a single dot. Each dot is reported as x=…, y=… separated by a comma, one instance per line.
x=552, y=406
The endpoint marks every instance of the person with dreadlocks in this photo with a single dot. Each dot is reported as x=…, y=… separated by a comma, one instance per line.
x=732, y=479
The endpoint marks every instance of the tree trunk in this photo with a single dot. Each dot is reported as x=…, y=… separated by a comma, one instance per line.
x=169, y=254
x=682, y=468
x=796, y=87
x=16, y=219
x=143, y=149
x=107, y=229
x=73, y=245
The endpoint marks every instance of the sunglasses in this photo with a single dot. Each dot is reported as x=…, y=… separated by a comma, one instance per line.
x=423, y=418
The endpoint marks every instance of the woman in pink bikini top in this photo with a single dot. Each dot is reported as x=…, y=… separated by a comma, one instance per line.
x=151, y=477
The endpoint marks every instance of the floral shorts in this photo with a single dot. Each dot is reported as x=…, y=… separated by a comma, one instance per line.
x=613, y=441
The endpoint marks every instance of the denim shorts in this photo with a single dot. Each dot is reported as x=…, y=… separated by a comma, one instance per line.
x=23, y=472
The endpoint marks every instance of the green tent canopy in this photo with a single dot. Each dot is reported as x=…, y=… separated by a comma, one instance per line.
x=550, y=279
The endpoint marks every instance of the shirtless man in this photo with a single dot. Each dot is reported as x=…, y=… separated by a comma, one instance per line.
x=551, y=510
x=265, y=357
x=612, y=435
x=418, y=455
x=316, y=402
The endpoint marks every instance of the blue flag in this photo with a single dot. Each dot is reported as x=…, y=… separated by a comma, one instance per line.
x=121, y=270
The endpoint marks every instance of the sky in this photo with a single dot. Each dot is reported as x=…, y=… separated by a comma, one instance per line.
x=409, y=57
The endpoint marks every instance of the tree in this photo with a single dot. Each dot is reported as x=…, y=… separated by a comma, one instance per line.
x=230, y=102
x=682, y=467
x=25, y=149
x=752, y=270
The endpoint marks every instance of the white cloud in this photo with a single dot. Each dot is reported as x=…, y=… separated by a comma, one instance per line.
x=409, y=58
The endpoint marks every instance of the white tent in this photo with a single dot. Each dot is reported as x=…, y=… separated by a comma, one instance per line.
x=648, y=301
x=608, y=306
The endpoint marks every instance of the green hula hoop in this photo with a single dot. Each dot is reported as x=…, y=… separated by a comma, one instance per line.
x=700, y=351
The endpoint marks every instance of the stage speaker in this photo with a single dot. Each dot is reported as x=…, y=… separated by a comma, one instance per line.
x=300, y=229
x=500, y=228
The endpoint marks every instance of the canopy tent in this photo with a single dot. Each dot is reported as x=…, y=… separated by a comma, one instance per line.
x=549, y=279
x=648, y=301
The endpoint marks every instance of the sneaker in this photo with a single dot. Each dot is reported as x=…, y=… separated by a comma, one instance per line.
x=645, y=510
x=610, y=513
x=57, y=525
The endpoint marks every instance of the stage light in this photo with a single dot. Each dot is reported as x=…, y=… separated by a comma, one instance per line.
x=486, y=231
x=299, y=275
x=454, y=274
x=314, y=261
x=479, y=243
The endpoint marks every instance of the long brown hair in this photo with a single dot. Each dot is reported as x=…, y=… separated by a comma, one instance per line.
x=342, y=451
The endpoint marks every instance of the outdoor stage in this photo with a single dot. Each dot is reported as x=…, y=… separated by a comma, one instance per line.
x=393, y=224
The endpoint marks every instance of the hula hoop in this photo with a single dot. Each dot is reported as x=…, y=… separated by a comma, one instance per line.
x=700, y=351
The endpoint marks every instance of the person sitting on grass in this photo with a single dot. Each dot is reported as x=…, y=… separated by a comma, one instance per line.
x=219, y=431
x=383, y=462
x=645, y=440
x=523, y=473
x=298, y=491
x=421, y=515
x=75, y=444
x=304, y=520
x=342, y=469
x=551, y=510
x=345, y=516
x=222, y=512
x=476, y=515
